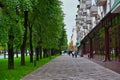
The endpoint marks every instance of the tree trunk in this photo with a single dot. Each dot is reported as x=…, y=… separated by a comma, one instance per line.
x=37, y=53
x=40, y=51
x=31, y=46
x=26, y=53
x=49, y=53
x=24, y=38
x=16, y=54
x=52, y=52
x=10, y=50
x=44, y=53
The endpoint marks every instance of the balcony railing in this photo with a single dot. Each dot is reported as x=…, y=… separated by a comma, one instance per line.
x=85, y=26
x=88, y=4
x=77, y=24
x=82, y=18
x=88, y=20
x=79, y=12
x=81, y=23
x=81, y=6
x=84, y=12
x=78, y=17
x=101, y=2
x=83, y=1
x=78, y=29
x=98, y=17
x=93, y=11
x=90, y=27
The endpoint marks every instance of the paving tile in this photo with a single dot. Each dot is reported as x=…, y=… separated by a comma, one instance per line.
x=67, y=68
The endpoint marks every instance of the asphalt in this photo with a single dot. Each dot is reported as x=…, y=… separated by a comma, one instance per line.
x=65, y=67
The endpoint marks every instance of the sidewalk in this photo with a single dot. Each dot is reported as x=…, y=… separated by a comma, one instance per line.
x=67, y=68
x=113, y=65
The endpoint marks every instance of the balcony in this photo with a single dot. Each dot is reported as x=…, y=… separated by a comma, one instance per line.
x=79, y=12
x=82, y=18
x=101, y=2
x=85, y=26
x=78, y=24
x=84, y=12
x=78, y=29
x=81, y=6
x=83, y=1
x=88, y=4
x=78, y=17
x=88, y=20
x=98, y=17
x=81, y=23
x=93, y=11
x=90, y=28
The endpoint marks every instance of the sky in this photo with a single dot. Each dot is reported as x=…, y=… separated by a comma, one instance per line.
x=70, y=11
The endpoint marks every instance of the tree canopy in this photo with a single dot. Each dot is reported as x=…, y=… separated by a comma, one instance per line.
x=43, y=18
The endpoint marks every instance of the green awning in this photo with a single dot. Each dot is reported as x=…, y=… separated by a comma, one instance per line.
x=115, y=4
x=78, y=43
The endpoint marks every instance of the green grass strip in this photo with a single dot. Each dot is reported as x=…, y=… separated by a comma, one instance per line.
x=20, y=71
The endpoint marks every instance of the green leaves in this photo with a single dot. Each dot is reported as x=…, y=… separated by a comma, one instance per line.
x=45, y=16
x=48, y=22
x=25, y=5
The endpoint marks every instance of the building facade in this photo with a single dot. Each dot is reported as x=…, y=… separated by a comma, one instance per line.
x=73, y=38
x=89, y=14
x=97, y=24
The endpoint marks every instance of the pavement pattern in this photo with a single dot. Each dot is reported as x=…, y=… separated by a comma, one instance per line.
x=65, y=67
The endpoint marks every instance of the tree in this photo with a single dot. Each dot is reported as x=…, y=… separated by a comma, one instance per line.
x=25, y=7
x=70, y=46
x=10, y=21
x=43, y=18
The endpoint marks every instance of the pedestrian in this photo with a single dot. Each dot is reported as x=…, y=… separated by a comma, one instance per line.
x=69, y=52
x=73, y=53
x=76, y=53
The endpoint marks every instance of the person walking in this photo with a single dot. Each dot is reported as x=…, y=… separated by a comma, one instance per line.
x=73, y=53
x=76, y=53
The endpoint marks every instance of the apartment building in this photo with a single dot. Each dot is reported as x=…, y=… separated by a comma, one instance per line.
x=73, y=38
x=89, y=14
x=97, y=23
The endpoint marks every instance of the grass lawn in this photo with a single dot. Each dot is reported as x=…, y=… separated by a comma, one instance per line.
x=19, y=71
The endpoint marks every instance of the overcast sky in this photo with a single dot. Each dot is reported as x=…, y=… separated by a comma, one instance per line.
x=70, y=10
